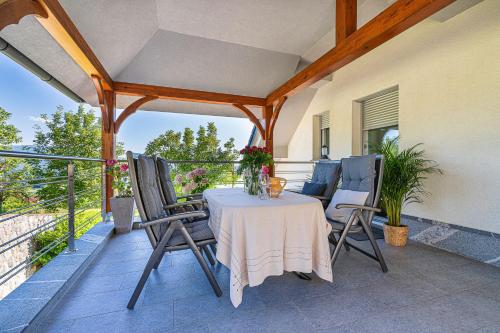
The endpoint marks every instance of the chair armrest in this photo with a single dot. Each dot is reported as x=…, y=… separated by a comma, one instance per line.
x=373, y=209
x=186, y=203
x=175, y=217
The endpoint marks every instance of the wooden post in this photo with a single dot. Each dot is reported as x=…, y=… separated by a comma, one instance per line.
x=108, y=138
x=267, y=113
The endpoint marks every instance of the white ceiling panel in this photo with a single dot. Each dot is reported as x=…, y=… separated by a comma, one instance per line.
x=182, y=61
x=116, y=30
x=289, y=26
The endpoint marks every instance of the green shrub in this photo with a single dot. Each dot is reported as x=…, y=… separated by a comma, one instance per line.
x=83, y=222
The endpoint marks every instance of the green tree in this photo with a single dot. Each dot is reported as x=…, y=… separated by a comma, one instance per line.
x=69, y=133
x=13, y=172
x=206, y=146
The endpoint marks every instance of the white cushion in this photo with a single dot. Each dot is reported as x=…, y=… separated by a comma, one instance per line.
x=344, y=197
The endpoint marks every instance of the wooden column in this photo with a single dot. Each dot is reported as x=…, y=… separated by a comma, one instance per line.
x=108, y=138
x=267, y=113
x=107, y=103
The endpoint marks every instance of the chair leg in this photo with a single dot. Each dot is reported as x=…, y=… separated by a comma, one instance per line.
x=333, y=239
x=214, y=249
x=208, y=255
x=159, y=261
x=375, y=247
x=153, y=259
x=201, y=261
x=341, y=241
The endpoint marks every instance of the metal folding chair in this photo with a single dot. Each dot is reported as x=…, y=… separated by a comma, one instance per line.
x=166, y=232
x=365, y=174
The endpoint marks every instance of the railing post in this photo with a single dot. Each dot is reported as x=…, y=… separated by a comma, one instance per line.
x=232, y=175
x=71, y=207
x=104, y=213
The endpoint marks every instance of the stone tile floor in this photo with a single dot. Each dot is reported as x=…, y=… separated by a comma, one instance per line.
x=425, y=290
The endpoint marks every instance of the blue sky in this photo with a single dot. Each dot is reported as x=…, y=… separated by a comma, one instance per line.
x=25, y=96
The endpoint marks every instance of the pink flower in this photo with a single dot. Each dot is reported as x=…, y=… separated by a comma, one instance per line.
x=265, y=170
x=178, y=178
x=111, y=162
x=124, y=167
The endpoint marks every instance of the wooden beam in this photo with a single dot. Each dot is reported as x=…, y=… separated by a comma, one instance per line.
x=252, y=118
x=64, y=31
x=96, y=80
x=136, y=89
x=345, y=19
x=276, y=113
x=398, y=17
x=12, y=11
x=132, y=108
x=267, y=111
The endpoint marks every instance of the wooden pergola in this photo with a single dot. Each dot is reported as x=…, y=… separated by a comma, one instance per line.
x=351, y=43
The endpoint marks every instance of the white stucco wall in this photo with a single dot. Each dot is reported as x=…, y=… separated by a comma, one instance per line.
x=448, y=75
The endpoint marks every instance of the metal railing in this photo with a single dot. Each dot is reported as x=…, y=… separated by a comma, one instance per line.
x=62, y=197
x=224, y=173
x=59, y=197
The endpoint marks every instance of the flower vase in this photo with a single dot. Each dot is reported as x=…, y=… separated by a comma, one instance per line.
x=252, y=181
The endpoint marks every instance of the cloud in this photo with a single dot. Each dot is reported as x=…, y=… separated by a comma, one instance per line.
x=37, y=119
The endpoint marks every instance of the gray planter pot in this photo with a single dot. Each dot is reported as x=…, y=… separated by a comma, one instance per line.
x=123, y=213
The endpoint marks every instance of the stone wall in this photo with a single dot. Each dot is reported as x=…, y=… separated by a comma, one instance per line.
x=8, y=230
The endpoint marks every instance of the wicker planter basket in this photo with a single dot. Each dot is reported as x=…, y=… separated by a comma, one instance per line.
x=396, y=236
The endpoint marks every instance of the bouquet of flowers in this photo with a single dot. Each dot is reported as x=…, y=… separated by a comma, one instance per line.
x=195, y=181
x=121, y=180
x=254, y=158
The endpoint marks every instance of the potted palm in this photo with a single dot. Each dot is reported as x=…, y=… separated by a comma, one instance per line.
x=122, y=204
x=404, y=175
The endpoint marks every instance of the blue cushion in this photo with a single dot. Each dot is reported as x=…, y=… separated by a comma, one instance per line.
x=313, y=188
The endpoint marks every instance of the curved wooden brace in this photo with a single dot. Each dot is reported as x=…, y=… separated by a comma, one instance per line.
x=102, y=101
x=276, y=113
x=12, y=11
x=252, y=118
x=131, y=109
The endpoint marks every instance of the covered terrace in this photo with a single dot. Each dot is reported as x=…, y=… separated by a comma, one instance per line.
x=262, y=60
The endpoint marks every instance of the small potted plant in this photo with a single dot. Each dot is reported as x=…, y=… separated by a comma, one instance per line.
x=122, y=204
x=254, y=158
x=403, y=183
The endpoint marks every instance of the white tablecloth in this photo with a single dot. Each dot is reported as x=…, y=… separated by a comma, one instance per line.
x=259, y=238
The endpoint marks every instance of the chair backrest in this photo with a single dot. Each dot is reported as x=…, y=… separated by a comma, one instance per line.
x=166, y=185
x=365, y=174
x=327, y=172
x=146, y=192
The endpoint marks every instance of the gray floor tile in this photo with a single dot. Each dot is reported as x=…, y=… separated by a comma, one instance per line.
x=425, y=290
x=73, y=307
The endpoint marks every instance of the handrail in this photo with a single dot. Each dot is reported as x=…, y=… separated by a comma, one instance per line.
x=233, y=162
x=28, y=155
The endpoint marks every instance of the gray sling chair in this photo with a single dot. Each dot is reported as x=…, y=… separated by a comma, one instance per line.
x=327, y=172
x=169, y=197
x=166, y=232
x=365, y=174
x=171, y=200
